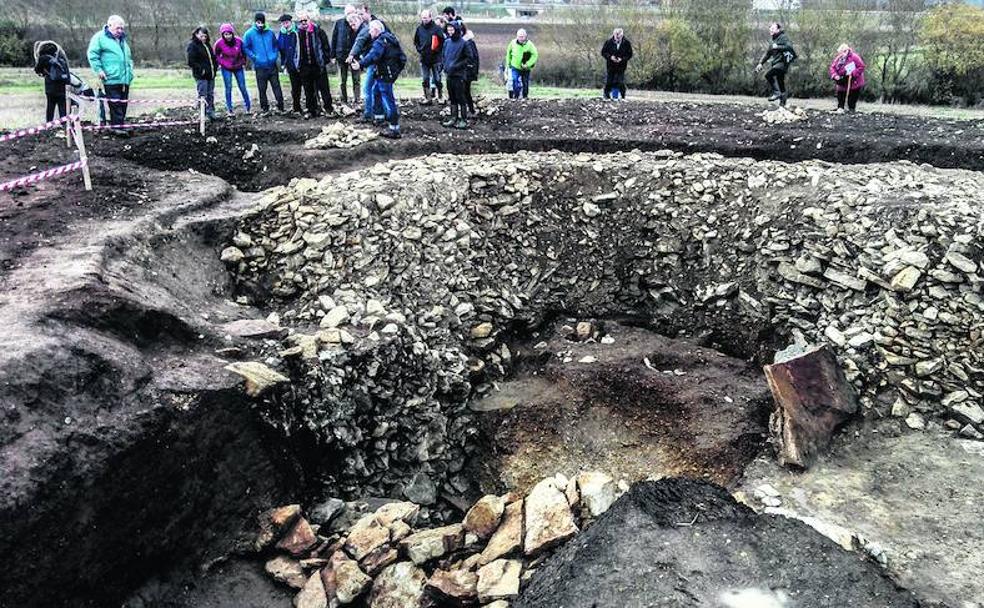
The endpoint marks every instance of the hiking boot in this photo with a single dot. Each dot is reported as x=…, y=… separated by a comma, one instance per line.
x=775, y=96
x=390, y=134
x=448, y=122
x=461, y=123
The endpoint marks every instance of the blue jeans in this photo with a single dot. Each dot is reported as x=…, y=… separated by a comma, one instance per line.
x=373, y=104
x=520, y=84
x=240, y=75
x=206, y=89
x=388, y=102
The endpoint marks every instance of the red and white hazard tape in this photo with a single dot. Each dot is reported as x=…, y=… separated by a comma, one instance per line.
x=137, y=125
x=37, y=177
x=185, y=101
x=35, y=130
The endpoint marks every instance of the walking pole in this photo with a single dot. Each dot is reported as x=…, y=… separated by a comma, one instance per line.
x=83, y=157
x=847, y=94
x=201, y=115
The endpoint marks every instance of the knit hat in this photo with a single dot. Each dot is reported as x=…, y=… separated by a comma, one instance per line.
x=285, y=17
x=259, y=17
x=226, y=27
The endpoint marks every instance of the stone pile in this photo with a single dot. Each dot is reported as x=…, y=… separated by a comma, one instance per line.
x=340, y=135
x=384, y=560
x=782, y=115
x=402, y=285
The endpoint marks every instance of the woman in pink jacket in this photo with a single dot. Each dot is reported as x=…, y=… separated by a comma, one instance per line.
x=232, y=60
x=847, y=72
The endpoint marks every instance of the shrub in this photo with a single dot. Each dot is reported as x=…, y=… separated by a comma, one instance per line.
x=953, y=37
x=15, y=50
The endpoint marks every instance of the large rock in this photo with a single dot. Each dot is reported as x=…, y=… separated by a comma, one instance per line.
x=426, y=545
x=399, y=586
x=350, y=581
x=597, y=492
x=313, y=594
x=548, y=521
x=508, y=538
x=366, y=536
x=273, y=523
x=259, y=377
x=454, y=587
x=484, y=516
x=299, y=539
x=499, y=580
x=253, y=328
x=286, y=570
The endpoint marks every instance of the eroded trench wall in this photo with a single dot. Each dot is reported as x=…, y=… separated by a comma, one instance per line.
x=405, y=282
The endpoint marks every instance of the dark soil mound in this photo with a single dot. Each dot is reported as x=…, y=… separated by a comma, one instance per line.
x=679, y=542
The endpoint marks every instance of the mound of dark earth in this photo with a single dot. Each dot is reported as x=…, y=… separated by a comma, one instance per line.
x=680, y=543
x=628, y=401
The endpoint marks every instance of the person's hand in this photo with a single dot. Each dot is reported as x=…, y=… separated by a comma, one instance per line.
x=758, y=68
x=102, y=75
x=333, y=61
x=774, y=45
x=356, y=66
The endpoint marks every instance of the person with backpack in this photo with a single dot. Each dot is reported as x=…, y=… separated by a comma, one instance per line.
x=260, y=46
x=617, y=51
x=428, y=39
x=389, y=60
x=457, y=59
x=112, y=62
x=471, y=74
x=780, y=56
x=342, y=37
x=521, y=57
x=51, y=63
x=847, y=72
x=232, y=63
x=372, y=111
x=201, y=60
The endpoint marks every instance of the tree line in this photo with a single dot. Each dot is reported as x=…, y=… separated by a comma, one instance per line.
x=914, y=53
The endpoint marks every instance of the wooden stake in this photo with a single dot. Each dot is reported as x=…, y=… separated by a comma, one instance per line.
x=77, y=125
x=201, y=115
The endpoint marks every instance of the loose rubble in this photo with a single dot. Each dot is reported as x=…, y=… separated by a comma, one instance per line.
x=404, y=279
x=782, y=115
x=384, y=560
x=340, y=135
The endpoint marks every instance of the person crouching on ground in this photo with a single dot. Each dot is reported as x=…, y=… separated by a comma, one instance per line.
x=232, y=63
x=847, y=72
x=457, y=57
x=617, y=51
x=521, y=57
x=428, y=39
x=389, y=59
x=201, y=60
x=780, y=56
x=472, y=74
x=51, y=63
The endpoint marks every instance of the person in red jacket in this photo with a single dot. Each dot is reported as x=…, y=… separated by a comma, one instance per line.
x=847, y=72
x=232, y=62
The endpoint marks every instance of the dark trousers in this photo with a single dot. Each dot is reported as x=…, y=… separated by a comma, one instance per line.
x=265, y=76
x=842, y=96
x=117, y=111
x=344, y=71
x=456, y=95
x=776, y=78
x=324, y=90
x=206, y=89
x=296, y=87
x=468, y=97
x=54, y=101
x=615, y=83
x=307, y=77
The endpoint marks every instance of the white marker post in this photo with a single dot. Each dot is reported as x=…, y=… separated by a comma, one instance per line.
x=201, y=115
x=76, y=123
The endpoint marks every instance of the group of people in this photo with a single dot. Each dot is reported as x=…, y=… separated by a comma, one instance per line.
x=369, y=55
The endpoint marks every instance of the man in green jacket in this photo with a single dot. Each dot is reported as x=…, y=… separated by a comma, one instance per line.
x=110, y=59
x=521, y=56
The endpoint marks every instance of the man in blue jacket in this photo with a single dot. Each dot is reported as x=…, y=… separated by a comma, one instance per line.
x=388, y=59
x=260, y=45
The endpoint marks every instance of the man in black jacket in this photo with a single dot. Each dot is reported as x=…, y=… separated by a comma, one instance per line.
x=309, y=57
x=780, y=55
x=342, y=38
x=429, y=42
x=324, y=85
x=617, y=51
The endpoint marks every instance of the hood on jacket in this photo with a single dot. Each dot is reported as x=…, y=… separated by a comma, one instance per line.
x=110, y=34
x=50, y=47
x=227, y=27
x=469, y=35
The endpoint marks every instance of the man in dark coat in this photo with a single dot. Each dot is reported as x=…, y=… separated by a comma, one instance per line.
x=342, y=37
x=309, y=57
x=287, y=48
x=429, y=42
x=617, y=51
x=780, y=55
